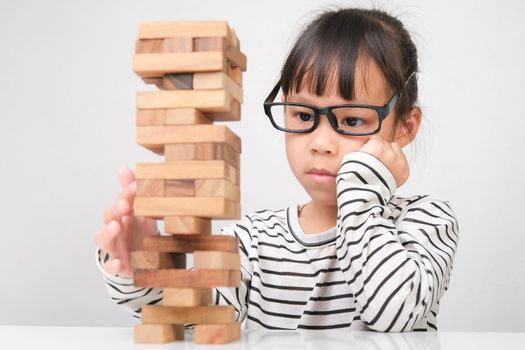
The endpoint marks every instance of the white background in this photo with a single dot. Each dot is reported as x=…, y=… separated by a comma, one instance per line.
x=67, y=102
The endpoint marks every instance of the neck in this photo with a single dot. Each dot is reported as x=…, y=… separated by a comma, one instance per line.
x=315, y=217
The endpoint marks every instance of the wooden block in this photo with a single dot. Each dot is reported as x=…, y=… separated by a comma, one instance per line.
x=177, y=44
x=178, y=81
x=236, y=74
x=180, y=116
x=187, y=170
x=158, y=136
x=153, y=65
x=218, y=151
x=150, y=117
x=179, y=188
x=149, y=46
x=150, y=188
x=200, y=188
x=209, y=207
x=216, y=333
x=234, y=114
x=190, y=243
x=203, y=100
x=156, y=314
x=217, y=80
x=235, y=39
x=215, y=260
x=157, y=333
x=167, y=29
x=145, y=260
x=217, y=188
x=155, y=81
x=182, y=278
x=181, y=151
x=202, y=151
x=210, y=43
x=186, y=296
x=236, y=58
x=187, y=225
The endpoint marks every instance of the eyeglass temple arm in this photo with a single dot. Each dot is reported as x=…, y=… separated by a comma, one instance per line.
x=274, y=92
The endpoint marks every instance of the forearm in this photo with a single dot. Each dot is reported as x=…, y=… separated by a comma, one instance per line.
x=395, y=271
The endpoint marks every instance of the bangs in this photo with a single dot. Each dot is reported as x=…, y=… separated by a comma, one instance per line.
x=329, y=51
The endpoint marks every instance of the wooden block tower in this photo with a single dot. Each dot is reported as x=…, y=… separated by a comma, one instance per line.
x=197, y=67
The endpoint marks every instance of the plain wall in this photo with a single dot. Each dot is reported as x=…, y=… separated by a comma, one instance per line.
x=67, y=112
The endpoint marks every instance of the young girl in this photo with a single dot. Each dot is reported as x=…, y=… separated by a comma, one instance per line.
x=356, y=255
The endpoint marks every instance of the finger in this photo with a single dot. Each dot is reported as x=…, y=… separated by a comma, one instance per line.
x=106, y=236
x=116, y=211
x=113, y=266
x=125, y=176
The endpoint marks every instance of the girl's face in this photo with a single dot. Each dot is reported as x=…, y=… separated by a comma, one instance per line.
x=324, y=148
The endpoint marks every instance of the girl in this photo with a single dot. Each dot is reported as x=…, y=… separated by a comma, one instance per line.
x=356, y=255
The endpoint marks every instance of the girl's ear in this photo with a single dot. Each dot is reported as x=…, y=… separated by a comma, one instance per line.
x=282, y=97
x=407, y=131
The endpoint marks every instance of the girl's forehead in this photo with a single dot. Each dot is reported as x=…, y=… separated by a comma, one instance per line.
x=370, y=87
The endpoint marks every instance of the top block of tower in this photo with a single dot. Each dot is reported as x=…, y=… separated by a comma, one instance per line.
x=187, y=46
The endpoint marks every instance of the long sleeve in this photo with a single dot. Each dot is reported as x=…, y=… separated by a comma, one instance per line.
x=123, y=292
x=238, y=296
x=398, y=269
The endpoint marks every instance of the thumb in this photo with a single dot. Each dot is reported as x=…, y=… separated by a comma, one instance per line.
x=125, y=176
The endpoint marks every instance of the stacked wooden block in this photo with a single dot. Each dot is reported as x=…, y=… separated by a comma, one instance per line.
x=197, y=67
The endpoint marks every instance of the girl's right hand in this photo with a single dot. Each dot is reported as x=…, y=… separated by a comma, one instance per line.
x=122, y=231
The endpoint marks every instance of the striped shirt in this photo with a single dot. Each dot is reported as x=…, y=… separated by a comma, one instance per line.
x=383, y=267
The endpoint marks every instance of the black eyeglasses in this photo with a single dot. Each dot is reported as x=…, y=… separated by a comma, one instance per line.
x=347, y=119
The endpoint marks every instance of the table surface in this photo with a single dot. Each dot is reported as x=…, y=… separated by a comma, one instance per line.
x=115, y=338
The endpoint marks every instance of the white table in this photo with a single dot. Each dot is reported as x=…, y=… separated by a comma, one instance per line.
x=114, y=338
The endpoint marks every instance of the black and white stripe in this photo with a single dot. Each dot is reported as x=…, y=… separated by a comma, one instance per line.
x=383, y=267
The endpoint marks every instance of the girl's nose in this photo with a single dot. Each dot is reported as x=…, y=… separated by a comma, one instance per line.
x=323, y=138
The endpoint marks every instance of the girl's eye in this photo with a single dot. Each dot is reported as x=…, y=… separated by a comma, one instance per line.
x=305, y=117
x=354, y=121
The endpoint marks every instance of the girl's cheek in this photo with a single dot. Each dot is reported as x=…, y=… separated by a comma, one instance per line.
x=354, y=144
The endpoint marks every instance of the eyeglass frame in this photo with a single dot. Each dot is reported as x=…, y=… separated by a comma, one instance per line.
x=382, y=111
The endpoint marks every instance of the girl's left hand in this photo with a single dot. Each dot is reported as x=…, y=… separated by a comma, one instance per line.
x=391, y=155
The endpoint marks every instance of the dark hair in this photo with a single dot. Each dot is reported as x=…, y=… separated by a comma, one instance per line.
x=334, y=41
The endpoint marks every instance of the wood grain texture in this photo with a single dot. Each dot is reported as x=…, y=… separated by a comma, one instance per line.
x=149, y=46
x=157, y=333
x=147, y=260
x=221, y=314
x=186, y=296
x=215, y=260
x=217, y=188
x=203, y=100
x=190, y=243
x=182, y=278
x=187, y=225
x=167, y=29
x=178, y=81
x=180, y=188
x=216, y=333
x=151, y=65
x=158, y=136
x=187, y=170
x=181, y=116
x=177, y=44
x=150, y=188
x=208, y=207
x=217, y=80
